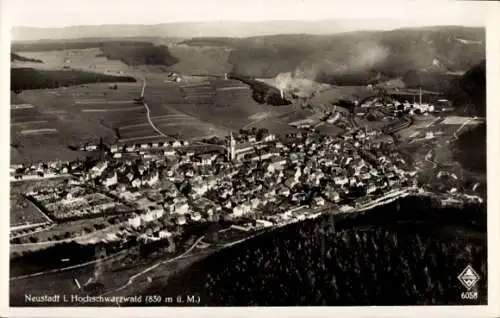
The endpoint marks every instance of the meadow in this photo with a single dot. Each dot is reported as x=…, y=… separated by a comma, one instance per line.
x=24, y=212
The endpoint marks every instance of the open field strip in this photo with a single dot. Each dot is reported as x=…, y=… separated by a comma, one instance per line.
x=104, y=102
x=39, y=131
x=196, y=85
x=160, y=117
x=170, y=116
x=456, y=120
x=193, y=96
x=181, y=120
x=194, y=90
x=433, y=122
x=181, y=124
x=21, y=106
x=231, y=88
x=110, y=110
x=54, y=112
x=138, y=138
x=97, y=100
x=30, y=122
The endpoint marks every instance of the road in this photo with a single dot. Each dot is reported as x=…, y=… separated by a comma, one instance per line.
x=34, y=232
x=148, y=111
x=148, y=114
x=434, y=164
x=433, y=122
x=71, y=239
x=428, y=157
x=455, y=134
x=134, y=277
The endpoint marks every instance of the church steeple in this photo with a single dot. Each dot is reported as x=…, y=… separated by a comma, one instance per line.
x=231, y=149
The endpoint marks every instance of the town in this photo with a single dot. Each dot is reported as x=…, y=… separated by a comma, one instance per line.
x=252, y=179
x=251, y=175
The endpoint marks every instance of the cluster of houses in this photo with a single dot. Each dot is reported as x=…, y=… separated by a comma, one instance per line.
x=39, y=170
x=262, y=178
x=301, y=169
x=72, y=202
x=395, y=107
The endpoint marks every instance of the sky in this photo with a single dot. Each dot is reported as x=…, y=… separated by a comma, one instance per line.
x=60, y=13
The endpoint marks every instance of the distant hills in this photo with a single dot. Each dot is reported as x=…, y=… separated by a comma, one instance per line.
x=434, y=58
x=188, y=30
x=358, y=56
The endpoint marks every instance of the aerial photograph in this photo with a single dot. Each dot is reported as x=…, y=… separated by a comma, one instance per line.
x=182, y=156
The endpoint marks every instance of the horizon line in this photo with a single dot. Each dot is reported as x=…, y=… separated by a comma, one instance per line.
x=250, y=22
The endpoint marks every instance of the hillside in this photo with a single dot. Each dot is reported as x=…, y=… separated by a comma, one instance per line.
x=361, y=57
x=473, y=84
x=313, y=263
x=470, y=93
x=432, y=58
x=130, y=52
x=193, y=29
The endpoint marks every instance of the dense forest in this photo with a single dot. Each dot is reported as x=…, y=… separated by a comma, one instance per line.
x=29, y=78
x=471, y=149
x=16, y=57
x=470, y=89
x=130, y=52
x=401, y=254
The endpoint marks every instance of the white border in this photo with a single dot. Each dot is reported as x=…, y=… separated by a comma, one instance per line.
x=493, y=144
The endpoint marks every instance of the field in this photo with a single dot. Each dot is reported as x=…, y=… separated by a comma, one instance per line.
x=200, y=61
x=23, y=212
x=419, y=127
x=335, y=93
x=53, y=119
x=85, y=59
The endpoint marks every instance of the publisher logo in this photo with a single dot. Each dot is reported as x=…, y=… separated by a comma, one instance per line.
x=468, y=277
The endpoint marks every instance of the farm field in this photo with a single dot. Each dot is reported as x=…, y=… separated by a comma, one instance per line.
x=419, y=128
x=200, y=60
x=82, y=59
x=335, y=93
x=377, y=124
x=45, y=122
x=23, y=212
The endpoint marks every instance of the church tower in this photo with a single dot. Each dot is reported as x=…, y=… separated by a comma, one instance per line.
x=231, y=148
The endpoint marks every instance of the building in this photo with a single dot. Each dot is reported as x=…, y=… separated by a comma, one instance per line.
x=98, y=169
x=319, y=201
x=179, y=208
x=111, y=180
x=231, y=148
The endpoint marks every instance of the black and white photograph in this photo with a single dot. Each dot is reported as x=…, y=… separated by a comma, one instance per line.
x=241, y=154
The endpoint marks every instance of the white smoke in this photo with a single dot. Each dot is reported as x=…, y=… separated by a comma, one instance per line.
x=360, y=57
